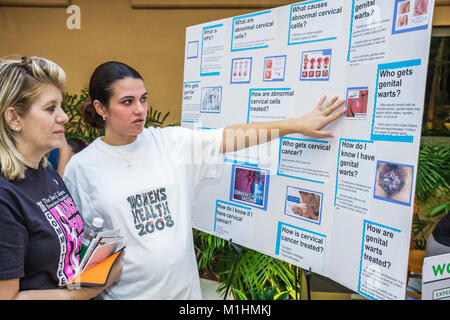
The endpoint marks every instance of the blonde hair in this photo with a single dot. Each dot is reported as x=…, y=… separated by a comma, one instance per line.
x=315, y=201
x=21, y=81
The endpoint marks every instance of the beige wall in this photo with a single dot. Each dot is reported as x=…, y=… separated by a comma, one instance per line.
x=151, y=40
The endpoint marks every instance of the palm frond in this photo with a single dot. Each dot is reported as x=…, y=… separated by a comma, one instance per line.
x=433, y=171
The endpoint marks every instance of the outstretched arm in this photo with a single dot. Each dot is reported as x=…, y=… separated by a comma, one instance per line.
x=242, y=136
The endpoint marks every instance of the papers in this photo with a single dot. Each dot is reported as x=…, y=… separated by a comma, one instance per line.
x=100, y=257
x=102, y=246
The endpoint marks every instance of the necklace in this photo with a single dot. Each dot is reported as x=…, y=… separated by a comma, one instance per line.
x=127, y=160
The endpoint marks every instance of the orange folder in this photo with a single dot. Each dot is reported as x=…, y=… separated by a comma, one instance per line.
x=97, y=275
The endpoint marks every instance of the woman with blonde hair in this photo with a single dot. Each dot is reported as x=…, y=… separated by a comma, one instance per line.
x=40, y=226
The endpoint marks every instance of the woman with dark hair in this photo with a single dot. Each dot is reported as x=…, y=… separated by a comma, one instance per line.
x=143, y=180
x=41, y=228
x=438, y=241
x=69, y=148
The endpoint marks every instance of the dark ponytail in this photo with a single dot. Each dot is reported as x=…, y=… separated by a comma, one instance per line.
x=90, y=116
x=100, y=88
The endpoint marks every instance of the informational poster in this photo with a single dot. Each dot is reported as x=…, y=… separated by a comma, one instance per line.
x=340, y=206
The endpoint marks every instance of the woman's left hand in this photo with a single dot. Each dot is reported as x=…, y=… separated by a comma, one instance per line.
x=322, y=115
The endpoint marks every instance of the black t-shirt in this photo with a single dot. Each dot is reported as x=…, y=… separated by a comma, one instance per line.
x=441, y=232
x=40, y=230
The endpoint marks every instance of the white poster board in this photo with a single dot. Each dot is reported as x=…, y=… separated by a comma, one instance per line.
x=341, y=206
x=436, y=277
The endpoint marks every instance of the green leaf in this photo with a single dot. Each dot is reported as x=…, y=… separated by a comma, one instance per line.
x=440, y=209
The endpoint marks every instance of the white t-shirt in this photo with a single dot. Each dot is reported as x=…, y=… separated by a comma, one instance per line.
x=150, y=203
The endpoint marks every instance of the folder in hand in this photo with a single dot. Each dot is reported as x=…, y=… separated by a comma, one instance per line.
x=99, y=259
x=98, y=274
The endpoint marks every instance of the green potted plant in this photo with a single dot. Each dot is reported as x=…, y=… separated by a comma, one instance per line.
x=432, y=188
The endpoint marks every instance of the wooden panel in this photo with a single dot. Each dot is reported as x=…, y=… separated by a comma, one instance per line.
x=441, y=17
x=224, y=3
x=441, y=10
x=209, y=3
x=35, y=3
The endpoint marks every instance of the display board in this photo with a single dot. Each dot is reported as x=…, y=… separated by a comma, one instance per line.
x=436, y=277
x=341, y=207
